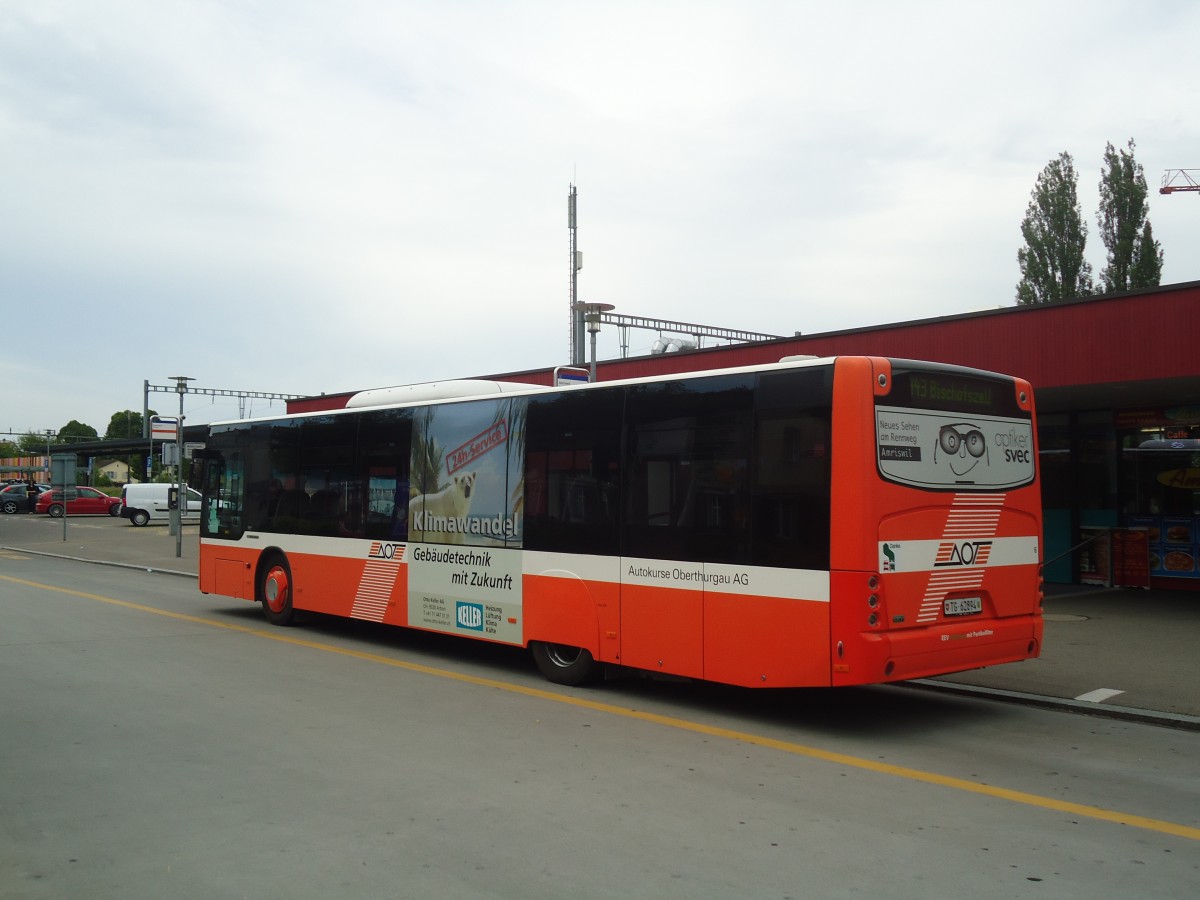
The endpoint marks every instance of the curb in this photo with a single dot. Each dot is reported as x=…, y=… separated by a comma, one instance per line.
x=1178, y=721
x=102, y=562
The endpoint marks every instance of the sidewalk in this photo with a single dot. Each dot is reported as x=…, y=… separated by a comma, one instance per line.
x=1123, y=652
x=103, y=539
x=1110, y=650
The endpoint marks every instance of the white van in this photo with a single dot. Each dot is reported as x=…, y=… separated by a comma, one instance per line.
x=142, y=503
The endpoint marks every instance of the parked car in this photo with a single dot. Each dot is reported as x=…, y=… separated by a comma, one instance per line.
x=15, y=497
x=80, y=501
x=142, y=502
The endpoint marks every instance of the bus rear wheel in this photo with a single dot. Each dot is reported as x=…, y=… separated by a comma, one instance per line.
x=563, y=664
x=275, y=591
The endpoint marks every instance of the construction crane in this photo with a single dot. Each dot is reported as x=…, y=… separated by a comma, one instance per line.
x=1180, y=180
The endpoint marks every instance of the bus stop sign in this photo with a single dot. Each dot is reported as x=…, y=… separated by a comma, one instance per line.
x=162, y=428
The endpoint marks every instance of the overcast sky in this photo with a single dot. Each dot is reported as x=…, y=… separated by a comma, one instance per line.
x=303, y=197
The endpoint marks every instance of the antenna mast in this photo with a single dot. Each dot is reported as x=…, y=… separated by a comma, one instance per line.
x=575, y=264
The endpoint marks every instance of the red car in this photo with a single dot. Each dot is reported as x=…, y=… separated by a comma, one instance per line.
x=81, y=501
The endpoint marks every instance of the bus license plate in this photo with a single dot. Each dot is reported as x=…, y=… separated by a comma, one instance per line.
x=963, y=606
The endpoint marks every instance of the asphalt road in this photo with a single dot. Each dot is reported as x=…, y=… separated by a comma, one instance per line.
x=158, y=743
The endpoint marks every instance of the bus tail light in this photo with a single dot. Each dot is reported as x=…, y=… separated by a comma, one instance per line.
x=875, y=612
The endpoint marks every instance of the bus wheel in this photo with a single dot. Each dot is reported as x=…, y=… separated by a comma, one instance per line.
x=562, y=664
x=275, y=591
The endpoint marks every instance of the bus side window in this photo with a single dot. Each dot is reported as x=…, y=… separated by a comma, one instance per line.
x=272, y=461
x=248, y=452
x=571, y=471
x=689, y=470
x=385, y=438
x=792, y=469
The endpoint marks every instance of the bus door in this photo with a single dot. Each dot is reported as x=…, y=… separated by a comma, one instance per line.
x=662, y=598
x=687, y=508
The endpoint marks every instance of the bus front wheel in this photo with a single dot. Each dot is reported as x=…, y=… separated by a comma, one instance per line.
x=563, y=664
x=275, y=591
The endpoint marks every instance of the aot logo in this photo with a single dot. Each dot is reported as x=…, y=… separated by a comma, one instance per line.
x=968, y=553
x=385, y=550
x=469, y=615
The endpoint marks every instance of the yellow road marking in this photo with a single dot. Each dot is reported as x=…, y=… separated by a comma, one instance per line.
x=869, y=765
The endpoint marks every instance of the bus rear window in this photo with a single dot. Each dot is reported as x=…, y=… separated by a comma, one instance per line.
x=952, y=391
x=948, y=430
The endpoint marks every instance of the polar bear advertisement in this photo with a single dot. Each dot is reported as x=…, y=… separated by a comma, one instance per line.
x=470, y=463
x=443, y=517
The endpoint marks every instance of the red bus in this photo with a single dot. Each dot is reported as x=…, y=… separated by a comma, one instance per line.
x=814, y=522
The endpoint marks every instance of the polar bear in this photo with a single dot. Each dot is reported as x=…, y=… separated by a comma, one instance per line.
x=429, y=515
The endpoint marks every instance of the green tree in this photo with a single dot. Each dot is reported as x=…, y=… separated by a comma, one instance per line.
x=34, y=444
x=9, y=449
x=125, y=424
x=1134, y=257
x=1052, y=264
x=74, y=432
x=1147, y=261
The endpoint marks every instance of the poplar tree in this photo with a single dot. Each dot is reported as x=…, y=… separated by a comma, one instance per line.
x=1052, y=264
x=1134, y=256
x=1147, y=261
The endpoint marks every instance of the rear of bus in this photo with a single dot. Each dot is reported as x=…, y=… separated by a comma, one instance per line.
x=935, y=521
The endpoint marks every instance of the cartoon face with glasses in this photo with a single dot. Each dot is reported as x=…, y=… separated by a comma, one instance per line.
x=963, y=445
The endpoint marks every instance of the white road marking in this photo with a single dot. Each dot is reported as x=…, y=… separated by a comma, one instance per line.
x=1099, y=695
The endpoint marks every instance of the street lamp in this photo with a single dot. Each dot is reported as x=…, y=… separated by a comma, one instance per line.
x=181, y=382
x=591, y=314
